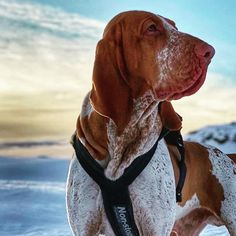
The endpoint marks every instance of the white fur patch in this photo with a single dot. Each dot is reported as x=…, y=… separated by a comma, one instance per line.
x=170, y=51
x=153, y=195
x=87, y=108
x=225, y=171
x=84, y=201
x=188, y=207
x=82, y=140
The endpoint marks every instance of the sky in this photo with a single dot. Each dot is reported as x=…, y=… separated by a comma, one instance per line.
x=47, y=51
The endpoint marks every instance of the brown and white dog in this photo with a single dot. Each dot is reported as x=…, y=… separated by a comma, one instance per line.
x=142, y=61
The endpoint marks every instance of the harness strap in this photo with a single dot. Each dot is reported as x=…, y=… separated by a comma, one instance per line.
x=116, y=199
x=175, y=138
x=96, y=172
x=115, y=193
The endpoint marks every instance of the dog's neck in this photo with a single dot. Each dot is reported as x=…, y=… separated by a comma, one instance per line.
x=116, y=151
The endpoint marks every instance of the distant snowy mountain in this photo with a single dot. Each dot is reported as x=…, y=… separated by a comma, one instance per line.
x=220, y=136
x=30, y=144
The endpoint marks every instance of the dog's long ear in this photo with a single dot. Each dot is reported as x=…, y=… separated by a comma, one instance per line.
x=170, y=119
x=111, y=95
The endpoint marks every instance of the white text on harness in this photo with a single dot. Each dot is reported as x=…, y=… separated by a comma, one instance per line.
x=121, y=214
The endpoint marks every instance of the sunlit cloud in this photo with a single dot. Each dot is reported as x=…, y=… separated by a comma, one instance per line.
x=46, y=62
x=43, y=48
x=212, y=104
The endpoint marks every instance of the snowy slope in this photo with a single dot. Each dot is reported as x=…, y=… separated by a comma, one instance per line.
x=220, y=136
x=32, y=198
x=32, y=190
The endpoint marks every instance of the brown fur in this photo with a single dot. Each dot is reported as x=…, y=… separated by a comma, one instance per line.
x=198, y=178
x=125, y=67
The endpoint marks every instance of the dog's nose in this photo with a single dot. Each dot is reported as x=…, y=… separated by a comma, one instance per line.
x=204, y=50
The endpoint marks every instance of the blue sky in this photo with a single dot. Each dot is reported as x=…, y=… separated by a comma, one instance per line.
x=213, y=21
x=47, y=52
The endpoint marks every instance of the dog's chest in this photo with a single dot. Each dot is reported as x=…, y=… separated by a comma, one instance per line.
x=152, y=194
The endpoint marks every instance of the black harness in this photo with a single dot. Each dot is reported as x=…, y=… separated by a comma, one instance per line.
x=115, y=193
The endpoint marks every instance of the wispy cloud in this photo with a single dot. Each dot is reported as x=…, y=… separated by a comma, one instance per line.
x=50, y=20
x=46, y=62
x=43, y=48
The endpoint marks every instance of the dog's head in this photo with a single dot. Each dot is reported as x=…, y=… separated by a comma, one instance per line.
x=141, y=51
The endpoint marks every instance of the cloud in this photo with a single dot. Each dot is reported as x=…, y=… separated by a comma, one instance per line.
x=46, y=61
x=45, y=49
x=212, y=104
x=50, y=20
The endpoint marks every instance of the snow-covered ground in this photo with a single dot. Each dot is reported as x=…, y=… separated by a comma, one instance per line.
x=32, y=190
x=32, y=198
x=220, y=136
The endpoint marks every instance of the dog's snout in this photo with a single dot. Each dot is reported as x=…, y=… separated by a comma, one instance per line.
x=204, y=50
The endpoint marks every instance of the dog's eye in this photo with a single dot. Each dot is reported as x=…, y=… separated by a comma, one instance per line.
x=152, y=30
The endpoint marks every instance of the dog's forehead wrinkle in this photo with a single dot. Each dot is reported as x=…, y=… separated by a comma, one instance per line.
x=168, y=26
x=128, y=19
